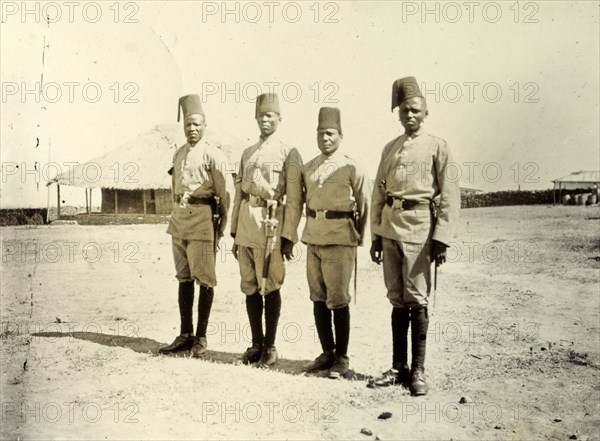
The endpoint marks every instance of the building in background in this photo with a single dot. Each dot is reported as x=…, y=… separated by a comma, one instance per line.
x=577, y=188
x=133, y=178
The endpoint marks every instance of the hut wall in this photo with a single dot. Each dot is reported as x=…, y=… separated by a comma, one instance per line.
x=163, y=201
x=130, y=201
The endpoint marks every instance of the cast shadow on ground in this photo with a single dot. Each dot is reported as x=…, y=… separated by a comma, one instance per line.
x=148, y=346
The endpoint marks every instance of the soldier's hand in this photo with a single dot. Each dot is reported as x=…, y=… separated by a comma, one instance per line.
x=377, y=250
x=287, y=249
x=234, y=251
x=438, y=252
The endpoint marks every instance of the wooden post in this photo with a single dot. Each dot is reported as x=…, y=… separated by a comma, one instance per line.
x=47, y=220
x=87, y=203
x=144, y=200
x=90, y=201
x=116, y=202
x=58, y=200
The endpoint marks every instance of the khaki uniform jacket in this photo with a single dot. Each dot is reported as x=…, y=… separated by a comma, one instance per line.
x=270, y=169
x=197, y=170
x=414, y=168
x=336, y=183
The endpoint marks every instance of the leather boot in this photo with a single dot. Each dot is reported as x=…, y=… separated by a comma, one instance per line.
x=340, y=367
x=418, y=384
x=419, y=324
x=252, y=354
x=400, y=324
x=181, y=343
x=322, y=362
x=268, y=357
x=200, y=347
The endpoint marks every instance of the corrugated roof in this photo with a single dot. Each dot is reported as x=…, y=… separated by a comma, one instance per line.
x=581, y=176
x=142, y=163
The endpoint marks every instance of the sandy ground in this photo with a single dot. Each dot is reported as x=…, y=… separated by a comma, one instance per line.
x=515, y=332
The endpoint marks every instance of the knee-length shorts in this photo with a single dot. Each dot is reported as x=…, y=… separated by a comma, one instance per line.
x=329, y=270
x=407, y=272
x=194, y=260
x=251, y=262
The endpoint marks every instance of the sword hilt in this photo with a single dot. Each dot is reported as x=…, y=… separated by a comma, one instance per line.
x=271, y=221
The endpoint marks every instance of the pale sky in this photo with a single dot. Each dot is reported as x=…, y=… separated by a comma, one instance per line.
x=513, y=87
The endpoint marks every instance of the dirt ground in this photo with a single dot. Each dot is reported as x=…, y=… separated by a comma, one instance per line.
x=514, y=333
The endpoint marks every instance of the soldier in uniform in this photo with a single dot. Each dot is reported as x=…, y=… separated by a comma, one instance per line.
x=337, y=200
x=197, y=182
x=407, y=233
x=269, y=176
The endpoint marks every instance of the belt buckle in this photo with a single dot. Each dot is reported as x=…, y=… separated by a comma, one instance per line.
x=184, y=199
x=320, y=214
x=398, y=204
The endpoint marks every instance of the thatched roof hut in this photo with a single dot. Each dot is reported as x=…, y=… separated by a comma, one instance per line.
x=133, y=178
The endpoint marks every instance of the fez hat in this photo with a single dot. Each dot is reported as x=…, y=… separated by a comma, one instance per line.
x=329, y=118
x=267, y=102
x=190, y=104
x=403, y=89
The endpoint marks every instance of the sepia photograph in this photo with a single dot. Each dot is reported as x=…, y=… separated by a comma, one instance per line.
x=300, y=220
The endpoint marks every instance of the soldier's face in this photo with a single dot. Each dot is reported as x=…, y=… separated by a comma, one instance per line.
x=268, y=122
x=193, y=126
x=328, y=140
x=413, y=112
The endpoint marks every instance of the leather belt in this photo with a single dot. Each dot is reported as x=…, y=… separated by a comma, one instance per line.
x=405, y=204
x=329, y=214
x=255, y=201
x=193, y=200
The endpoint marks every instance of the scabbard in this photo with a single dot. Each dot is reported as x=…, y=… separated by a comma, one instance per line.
x=216, y=218
x=355, y=274
x=270, y=227
x=434, y=294
x=265, y=272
